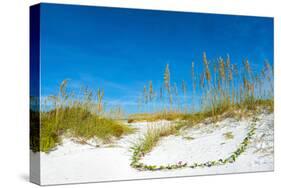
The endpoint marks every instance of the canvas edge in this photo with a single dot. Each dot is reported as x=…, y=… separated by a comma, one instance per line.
x=34, y=93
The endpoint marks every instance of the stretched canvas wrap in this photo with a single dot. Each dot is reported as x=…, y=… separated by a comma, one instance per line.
x=121, y=94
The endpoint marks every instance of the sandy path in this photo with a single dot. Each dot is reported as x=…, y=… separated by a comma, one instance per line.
x=72, y=163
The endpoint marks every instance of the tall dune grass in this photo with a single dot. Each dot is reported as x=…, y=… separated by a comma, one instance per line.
x=219, y=87
x=80, y=118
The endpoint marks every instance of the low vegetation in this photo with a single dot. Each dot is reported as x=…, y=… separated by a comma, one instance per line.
x=142, y=148
x=68, y=116
x=228, y=135
x=152, y=137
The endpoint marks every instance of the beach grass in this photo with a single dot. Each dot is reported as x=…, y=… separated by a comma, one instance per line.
x=220, y=87
x=81, y=119
x=222, y=90
x=153, y=135
x=77, y=123
x=238, y=110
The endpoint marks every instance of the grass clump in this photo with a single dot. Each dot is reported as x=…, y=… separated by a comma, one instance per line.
x=188, y=138
x=217, y=87
x=82, y=119
x=151, y=117
x=77, y=123
x=228, y=135
x=153, y=135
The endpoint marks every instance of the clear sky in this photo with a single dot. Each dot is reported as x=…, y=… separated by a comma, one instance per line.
x=120, y=50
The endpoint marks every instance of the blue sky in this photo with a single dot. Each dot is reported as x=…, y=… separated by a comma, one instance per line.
x=120, y=50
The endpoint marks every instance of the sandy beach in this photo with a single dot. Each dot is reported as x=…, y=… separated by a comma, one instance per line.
x=72, y=162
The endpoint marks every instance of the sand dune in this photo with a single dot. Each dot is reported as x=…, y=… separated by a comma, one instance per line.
x=72, y=162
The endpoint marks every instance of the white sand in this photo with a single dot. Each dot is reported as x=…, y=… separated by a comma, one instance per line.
x=73, y=163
